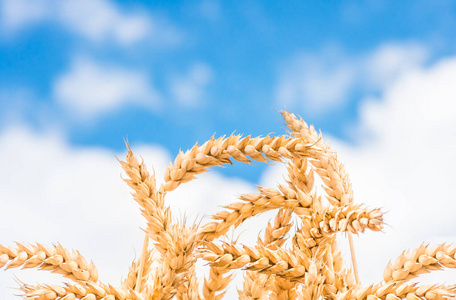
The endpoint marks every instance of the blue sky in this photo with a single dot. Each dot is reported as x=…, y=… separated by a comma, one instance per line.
x=201, y=67
x=77, y=77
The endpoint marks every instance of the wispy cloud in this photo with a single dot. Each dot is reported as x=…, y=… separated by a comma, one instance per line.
x=188, y=88
x=325, y=81
x=94, y=20
x=89, y=88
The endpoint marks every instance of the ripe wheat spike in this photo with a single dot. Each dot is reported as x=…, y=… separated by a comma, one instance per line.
x=309, y=266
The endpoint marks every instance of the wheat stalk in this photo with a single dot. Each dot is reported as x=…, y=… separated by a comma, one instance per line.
x=309, y=267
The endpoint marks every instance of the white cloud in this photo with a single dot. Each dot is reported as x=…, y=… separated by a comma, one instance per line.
x=405, y=165
x=89, y=88
x=101, y=19
x=188, y=89
x=95, y=20
x=322, y=82
x=389, y=61
x=51, y=192
x=17, y=13
x=315, y=82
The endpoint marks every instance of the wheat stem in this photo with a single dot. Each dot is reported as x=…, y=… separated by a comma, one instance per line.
x=353, y=258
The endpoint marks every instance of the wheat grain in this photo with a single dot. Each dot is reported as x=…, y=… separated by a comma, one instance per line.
x=214, y=287
x=255, y=286
x=301, y=177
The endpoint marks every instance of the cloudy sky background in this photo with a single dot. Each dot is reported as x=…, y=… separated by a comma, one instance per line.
x=78, y=76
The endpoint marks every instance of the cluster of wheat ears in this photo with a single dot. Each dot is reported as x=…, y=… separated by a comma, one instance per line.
x=309, y=266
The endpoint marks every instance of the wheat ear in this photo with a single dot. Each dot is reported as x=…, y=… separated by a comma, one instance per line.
x=217, y=152
x=134, y=273
x=279, y=262
x=189, y=290
x=423, y=259
x=177, y=248
x=254, y=204
x=396, y=291
x=336, y=182
x=300, y=180
x=256, y=286
x=331, y=171
x=214, y=287
x=147, y=195
x=274, y=237
x=83, y=291
x=55, y=258
x=175, y=242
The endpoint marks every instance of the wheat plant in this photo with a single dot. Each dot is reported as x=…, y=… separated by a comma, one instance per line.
x=290, y=261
